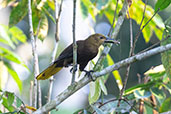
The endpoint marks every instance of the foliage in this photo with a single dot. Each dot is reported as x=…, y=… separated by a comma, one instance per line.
x=10, y=37
x=12, y=103
x=166, y=56
x=148, y=92
x=162, y=4
x=98, y=87
x=141, y=91
x=107, y=8
x=39, y=12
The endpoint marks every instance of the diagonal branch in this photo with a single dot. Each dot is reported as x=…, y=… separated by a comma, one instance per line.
x=85, y=80
x=115, y=32
x=111, y=28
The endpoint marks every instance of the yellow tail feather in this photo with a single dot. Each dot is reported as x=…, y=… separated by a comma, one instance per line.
x=47, y=73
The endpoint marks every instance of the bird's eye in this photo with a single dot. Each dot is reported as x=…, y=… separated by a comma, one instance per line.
x=101, y=37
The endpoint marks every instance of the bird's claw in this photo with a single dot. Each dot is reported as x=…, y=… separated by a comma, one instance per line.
x=73, y=69
x=89, y=74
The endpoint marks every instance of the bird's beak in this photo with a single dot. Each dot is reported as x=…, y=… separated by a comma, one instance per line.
x=110, y=40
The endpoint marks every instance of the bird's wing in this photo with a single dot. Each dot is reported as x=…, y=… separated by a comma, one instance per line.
x=56, y=66
x=67, y=53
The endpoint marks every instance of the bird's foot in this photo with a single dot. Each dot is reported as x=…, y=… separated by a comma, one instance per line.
x=73, y=69
x=89, y=74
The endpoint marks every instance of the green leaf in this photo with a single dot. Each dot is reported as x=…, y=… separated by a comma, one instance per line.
x=48, y=14
x=95, y=92
x=148, y=108
x=18, y=102
x=102, y=86
x=141, y=86
x=139, y=94
x=5, y=104
x=147, y=33
x=166, y=105
x=39, y=17
x=11, y=56
x=88, y=8
x=51, y=4
x=166, y=56
x=156, y=24
x=22, y=113
x=17, y=34
x=46, y=8
x=159, y=94
x=110, y=9
x=84, y=9
x=14, y=75
x=115, y=73
x=18, y=12
x=162, y=4
x=10, y=98
x=156, y=72
x=168, y=86
x=4, y=36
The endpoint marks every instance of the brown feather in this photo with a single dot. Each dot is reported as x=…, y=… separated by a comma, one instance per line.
x=86, y=51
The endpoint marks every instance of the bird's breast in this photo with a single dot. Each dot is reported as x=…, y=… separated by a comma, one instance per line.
x=86, y=54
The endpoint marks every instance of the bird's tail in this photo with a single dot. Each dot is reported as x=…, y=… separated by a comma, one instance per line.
x=48, y=72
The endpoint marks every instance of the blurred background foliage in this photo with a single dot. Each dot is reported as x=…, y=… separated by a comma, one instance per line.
x=149, y=80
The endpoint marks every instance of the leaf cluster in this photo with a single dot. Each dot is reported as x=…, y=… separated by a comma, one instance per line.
x=12, y=103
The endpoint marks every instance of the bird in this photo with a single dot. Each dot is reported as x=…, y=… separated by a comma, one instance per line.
x=86, y=50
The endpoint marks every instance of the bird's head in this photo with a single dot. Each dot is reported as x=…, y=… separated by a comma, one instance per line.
x=99, y=39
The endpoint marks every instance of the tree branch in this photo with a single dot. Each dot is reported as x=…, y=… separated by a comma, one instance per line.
x=115, y=32
x=57, y=17
x=74, y=43
x=111, y=28
x=85, y=80
x=129, y=65
x=34, y=52
x=39, y=88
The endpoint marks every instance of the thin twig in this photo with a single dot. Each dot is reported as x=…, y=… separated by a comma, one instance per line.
x=114, y=35
x=131, y=53
x=131, y=36
x=168, y=36
x=57, y=17
x=140, y=30
x=38, y=82
x=74, y=43
x=116, y=100
x=85, y=80
x=31, y=93
x=141, y=102
x=143, y=14
x=136, y=38
x=111, y=28
x=35, y=56
x=129, y=65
